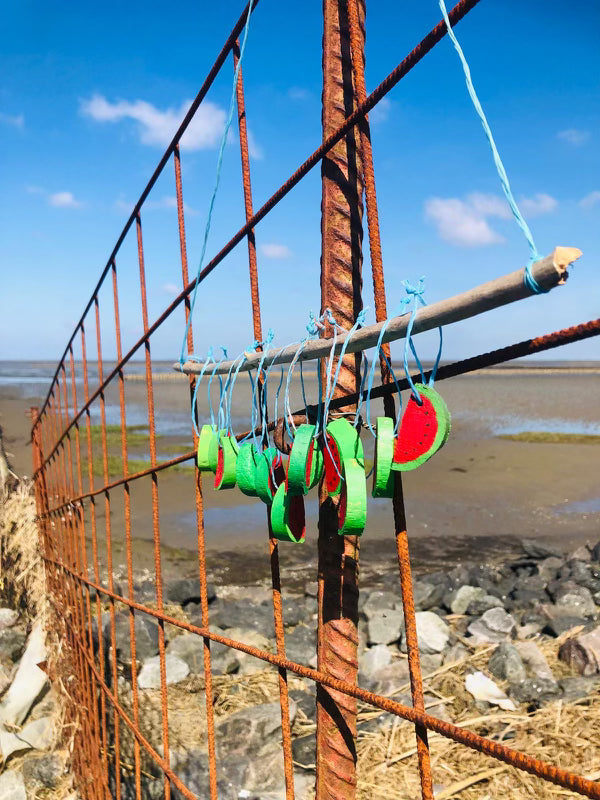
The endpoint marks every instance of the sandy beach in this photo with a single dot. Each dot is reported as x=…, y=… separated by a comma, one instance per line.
x=481, y=492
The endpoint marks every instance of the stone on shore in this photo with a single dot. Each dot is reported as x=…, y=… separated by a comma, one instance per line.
x=432, y=632
x=176, y=670
x=582, y=652
x=493, y=626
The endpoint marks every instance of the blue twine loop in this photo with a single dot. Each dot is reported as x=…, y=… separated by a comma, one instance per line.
x=265, y=344
x=217, y=365
x=312, y=328
x=415, y=293
x=529, y=280
x=217, y=177
x=207, y=361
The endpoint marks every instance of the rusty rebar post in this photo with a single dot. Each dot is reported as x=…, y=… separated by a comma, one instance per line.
x=341, y=284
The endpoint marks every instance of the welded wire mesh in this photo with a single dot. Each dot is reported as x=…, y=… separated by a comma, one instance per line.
x=96, y=492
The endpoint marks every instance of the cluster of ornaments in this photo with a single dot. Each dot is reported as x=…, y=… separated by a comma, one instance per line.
x=339, y=461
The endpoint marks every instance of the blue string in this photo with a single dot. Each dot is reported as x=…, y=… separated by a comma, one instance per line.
x=416, y=294
x=313, y=331
x=241, y=359
x=217, y=365
x=264, y=395
x=265, y=345
x=217, y=180
x=530, y=281
x=363, y=370
x=209, y=358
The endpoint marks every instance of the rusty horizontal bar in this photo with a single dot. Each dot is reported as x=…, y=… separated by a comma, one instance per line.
x=549, y=272
x=534, y=766
x=413, y=58
x=539, y=344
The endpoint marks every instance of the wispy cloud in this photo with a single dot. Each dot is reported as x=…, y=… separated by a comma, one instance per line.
x=381, y=111
x=273, y=250
x=298, y=93
x=171, y=289
x=254, y=148
x=64, y=200
x=574, y=136
x=465, y=222
x=157, y=127
x=590, y=200
x=14, y=121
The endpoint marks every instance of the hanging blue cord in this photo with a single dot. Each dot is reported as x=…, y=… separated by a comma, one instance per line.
x=530, y=281
x=265, y=344
x=313, y=331
x=264, y=395
x=217, y=365
x=208, y=360
x=416, y=293
x=217, y=179
x=363, y=370
x=241, y=359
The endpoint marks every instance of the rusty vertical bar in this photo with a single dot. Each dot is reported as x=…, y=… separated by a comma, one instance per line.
x=257, y=328
x=155, y=511
x=356, y=16
x=341, y=284
x=128, y=543
x=208, y=690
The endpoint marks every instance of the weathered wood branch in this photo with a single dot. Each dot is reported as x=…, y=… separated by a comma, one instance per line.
x=8, y=479
x=549, y=272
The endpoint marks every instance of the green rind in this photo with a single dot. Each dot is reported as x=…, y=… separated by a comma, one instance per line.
x=347, y=439
x=207, y=434
x=262, y=474
x=279, y=516
x=213, y=450
x=443, y=431
x=245, y=469
x=383, y=477
x=296, y=476
x=229, y=449
x=355, y=489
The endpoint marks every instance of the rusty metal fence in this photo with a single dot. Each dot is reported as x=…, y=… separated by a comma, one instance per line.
x=77, y=493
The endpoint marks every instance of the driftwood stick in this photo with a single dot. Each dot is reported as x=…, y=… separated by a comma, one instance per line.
x=8, y=479
x=549, y=272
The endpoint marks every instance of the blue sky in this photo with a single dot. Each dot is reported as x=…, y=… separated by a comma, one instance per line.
x=91, y=93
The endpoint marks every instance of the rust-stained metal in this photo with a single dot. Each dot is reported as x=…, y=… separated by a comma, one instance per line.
x=77, y=510
x=356, y=17
x=341, y=286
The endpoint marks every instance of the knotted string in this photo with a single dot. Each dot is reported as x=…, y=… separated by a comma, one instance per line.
x=265, y=344
x=313, y=331
x=215, y=368
x=534, y=256
x=415, y=293
x=207, y=361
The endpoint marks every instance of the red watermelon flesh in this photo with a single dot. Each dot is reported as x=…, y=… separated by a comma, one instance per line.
x=417, y=432
x=342, y=506
x=220, y=467
x=333, y=465
x=276, y=474
x=296, y=518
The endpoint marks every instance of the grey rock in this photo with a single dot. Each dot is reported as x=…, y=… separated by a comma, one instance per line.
x=535, y=690
x=38, y=734
x=377, y=601
x=12, y=786
x=595, y=552
x=455, y=653
x=428, y=595
x=249, y=665
x=522, y=598
x=432, y=632
x=580, y=554
x=294, y=610
x=559, y=625
x=506, y=663
x=538, y=550
x=149, y=677
x=493, y=626
x=577, y=599
x=304, y=750
x=190, y=648
x=43, y=771
x=534, y=660
x=301, y=644
x=192, y=768
x=479, y=606
x=373, y=659
x=8, y=618
x=430, y=662
x=582, y=652
x=463, y=596
x=146, y=636
x=243, y=614
x=187, y=590
x=387, y=680
x=385, y=626
x=577, y=687
x=12, y=644
x=306, y=702
x=549, y=567
x=584, y=574
x=311, y=589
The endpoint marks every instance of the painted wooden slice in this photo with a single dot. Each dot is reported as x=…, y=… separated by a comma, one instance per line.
x=383, y=477
x=352, y=505
x=424, y=429
x=305, y=466
x=288, y=520
x=269, y=474
x=226, y=462
x=245, y=469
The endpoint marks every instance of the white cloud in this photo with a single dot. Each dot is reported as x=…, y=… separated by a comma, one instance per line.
x=539, y=204
x=15, y=121
x=381, y=111
x=157, y=127
x=590, y=200
x=273, y=250
x=574, y=136
x=298, y=93
x=64, y=200
x=465, y=222
x=459, y=223
x=171, y=289
x=254, y=148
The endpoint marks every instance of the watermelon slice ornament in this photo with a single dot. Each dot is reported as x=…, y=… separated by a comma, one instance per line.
x=424, y=428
